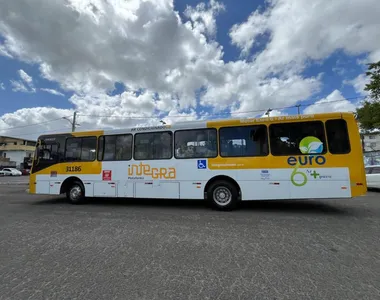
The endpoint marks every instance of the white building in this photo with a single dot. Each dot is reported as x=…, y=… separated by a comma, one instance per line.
x=371, y=141
x=14, y=151
x=371, y=147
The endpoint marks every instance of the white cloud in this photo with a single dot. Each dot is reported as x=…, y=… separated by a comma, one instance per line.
x=52, y=91
x=143, y=45
x=335, y=102
x=4, y=52
x=128, y=109
x=300, y=31
x=25, y=85
x=339, y=70
x=18, y=123
x=2, y=86
x=18, y=86
x=94, y=112
x=249, y=92
x=109, y=112
x=359, y=84
x=374, y=56
x=203, y=16
x=88, y=45
x=243, y=35
x=25, y=77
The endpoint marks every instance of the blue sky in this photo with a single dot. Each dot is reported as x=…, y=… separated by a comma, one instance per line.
x=245, y=56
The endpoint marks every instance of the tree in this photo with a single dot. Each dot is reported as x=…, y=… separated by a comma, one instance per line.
x=374, y=86
x=369, y=114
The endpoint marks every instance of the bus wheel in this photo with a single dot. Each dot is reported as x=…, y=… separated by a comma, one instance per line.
x=223, y=195
x=75, y=194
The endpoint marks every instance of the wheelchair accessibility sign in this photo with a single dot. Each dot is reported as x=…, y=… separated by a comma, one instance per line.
x=202, y=164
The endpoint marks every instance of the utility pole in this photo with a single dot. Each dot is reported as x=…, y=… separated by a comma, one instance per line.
x=298, y=108
x=74, y=122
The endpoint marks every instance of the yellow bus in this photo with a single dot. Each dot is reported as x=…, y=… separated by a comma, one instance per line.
x=222, y=161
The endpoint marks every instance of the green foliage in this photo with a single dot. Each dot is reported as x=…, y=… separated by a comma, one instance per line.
x=369, y=114
x=374, y=86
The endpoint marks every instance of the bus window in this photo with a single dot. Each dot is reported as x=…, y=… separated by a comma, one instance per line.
x=109, y=147
x=153, y=145
x=88, y=152
x=197, y=143
x=124, y=147
x=47, y=153
x=73, y=149
x=285, y=139
x=243, y=141
x=115, y=147
x=80, y=149
x=337, y=136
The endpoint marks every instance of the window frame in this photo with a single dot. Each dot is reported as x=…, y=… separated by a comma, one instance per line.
x=81, y=144
x=244, y=126
x=325, y=150
x=348, y=136
x=153, y=132
x=50, y=146
x=103, y=146
x=197, y=129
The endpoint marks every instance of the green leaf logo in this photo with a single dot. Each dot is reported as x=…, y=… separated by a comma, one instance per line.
x=311, y=144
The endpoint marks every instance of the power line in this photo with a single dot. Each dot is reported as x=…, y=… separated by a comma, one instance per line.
x=230, y=113
x=174, y=116
x=46, y=131
x=34, y=124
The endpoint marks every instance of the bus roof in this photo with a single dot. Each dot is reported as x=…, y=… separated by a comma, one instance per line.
x=212, y=123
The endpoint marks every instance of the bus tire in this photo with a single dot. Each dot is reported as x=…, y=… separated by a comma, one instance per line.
x=223, y=195
x=75, y=193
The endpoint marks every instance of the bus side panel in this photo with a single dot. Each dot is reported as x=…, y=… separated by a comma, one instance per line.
x=32, y=183
x=320, y=183
x=192, y=189
x=355, y=159
x=276, y=184
x=42, y=187
x=267, y=184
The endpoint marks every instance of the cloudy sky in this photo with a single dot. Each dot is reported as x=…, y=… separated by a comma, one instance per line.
x=126, y=63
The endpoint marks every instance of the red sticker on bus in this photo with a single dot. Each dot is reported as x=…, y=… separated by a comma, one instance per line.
x=107, y=175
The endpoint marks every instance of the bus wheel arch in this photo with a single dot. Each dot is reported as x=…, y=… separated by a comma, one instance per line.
x=74, y=189
x=222, y=192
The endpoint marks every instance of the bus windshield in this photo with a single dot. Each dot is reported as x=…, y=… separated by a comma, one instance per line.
x=49, y=151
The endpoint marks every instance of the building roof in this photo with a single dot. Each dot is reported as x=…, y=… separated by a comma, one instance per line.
x=369, y=132
x=15, y=138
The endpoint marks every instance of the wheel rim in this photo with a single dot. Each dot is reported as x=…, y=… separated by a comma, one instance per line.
x=75, y=192
x=222, y=196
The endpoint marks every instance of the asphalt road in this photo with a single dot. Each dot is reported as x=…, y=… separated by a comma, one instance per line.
x=128, y=249
x=11, y=180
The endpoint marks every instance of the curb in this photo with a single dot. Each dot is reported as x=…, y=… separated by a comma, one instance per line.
x=14, y=183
